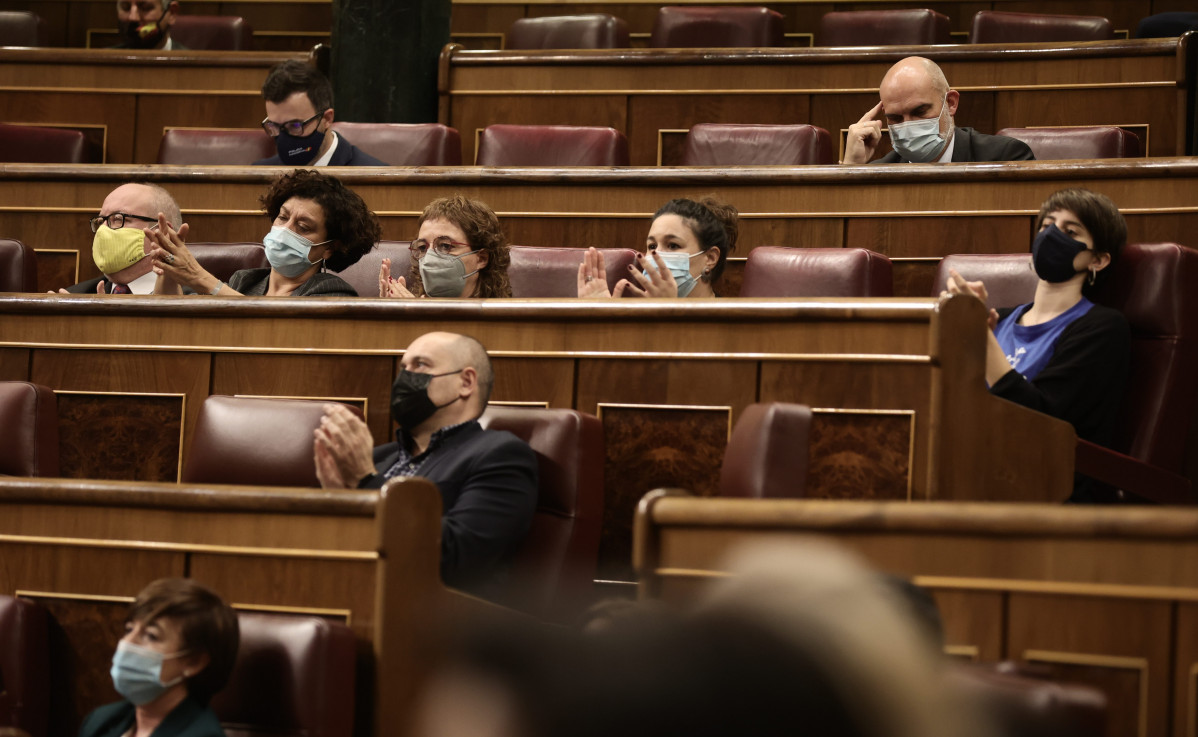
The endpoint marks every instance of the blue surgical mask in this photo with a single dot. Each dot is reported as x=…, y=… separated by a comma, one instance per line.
x=444, y=276
x=288, y=251
x=298, y=150
x=679, y=265
x=137, y=673
x=919, y=141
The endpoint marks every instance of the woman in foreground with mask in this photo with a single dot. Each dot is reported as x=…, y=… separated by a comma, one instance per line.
x=460, y=251
x=317, y=223
x=178, y=651
x=1062, y=354
x=688, y=245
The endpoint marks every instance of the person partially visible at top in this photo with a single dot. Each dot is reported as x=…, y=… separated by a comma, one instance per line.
x=146, y=24
x=688, y=246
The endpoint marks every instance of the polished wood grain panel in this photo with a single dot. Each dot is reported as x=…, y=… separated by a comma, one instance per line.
x=57, y=269
x=534, y=380
x=972, y=619
x=665, y=382
x=914, y=277
x=1185, y=672
x=14, y=364
x=131, y=437
x=899, y=237
x=860, y=455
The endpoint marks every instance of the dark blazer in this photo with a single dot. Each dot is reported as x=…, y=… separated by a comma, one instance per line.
x=346, y=154
x=255, y=282
x=488, y=485
x=974, y=146
x=188, y=719
x=89, y=286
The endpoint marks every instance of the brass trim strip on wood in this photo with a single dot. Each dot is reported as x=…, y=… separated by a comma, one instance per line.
x=800, y=91
x=164, y=547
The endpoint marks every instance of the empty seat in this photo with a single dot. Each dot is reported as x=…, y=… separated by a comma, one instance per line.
x=404, y=144
x=28, y=430
x=553, y=569
x=816, y=272
x=35, y=144
x=18, y=267
x=714, y=144
x=364, y=275
x=716, y=27
x=256, y=442
x=767, y=453
x=214, y=146
x=1087, y=142
x=883, y=28
x=294, y=677
x=222, y=260
x=999, y=27
x=1009, y=278
x=551, y=145
x=24, y=666
x=213, y=32
x=592, y=31
x=1023, y=703
x=537, y=271
x=20, y=28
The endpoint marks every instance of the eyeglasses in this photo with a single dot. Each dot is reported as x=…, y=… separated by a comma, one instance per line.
x=116, y=220
x=293, y=127
x=443, y=246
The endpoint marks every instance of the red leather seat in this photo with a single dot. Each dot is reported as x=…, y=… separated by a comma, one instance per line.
x=364, y=275
x=710, y=27
x=294, y=677
x=213, y=33
x=553, y=571
x=256, y=442
x=883, y=28
x=767, y=453
x=1021, y=703
x=592, y=31
x=1089, y=142
x=24, y=666
x=214, y=146
x=21, y=28
x=35, y=144
x=715, y=144
x=816, y=272
x=403, y=144
x=1009, y=278
x=18, y=267
x=998, y=27
x=551, y=145
x=223, y=259
x=537, y=271
x=28, y=430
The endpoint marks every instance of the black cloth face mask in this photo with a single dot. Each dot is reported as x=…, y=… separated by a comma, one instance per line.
x=1052, y=255
x=410, y=404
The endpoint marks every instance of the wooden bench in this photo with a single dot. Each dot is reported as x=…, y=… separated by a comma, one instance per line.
x=1107, y=596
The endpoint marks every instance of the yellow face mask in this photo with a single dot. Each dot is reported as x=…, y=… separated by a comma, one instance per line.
x=113, y=250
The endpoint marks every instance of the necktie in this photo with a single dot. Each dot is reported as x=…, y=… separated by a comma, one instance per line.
x=120, y=289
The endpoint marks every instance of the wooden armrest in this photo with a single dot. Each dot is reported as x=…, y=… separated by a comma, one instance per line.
x=1132, y=475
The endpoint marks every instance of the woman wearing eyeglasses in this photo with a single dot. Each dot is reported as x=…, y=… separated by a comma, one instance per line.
x=317, y=223
x=460, y=251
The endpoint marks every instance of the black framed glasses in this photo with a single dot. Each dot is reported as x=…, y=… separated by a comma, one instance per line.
x=293, y=127
x=116, y=220
x=443, y=246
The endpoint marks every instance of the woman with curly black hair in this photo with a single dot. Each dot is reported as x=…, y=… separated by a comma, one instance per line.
x=317, y=223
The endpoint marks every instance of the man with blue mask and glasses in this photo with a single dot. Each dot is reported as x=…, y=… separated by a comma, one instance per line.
x=299, y=111
x=918, y=106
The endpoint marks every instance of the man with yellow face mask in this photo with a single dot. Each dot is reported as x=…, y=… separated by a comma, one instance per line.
x=119, y=246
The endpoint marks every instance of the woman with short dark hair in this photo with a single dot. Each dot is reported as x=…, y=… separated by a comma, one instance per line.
x=179, y=647
x=317, y=223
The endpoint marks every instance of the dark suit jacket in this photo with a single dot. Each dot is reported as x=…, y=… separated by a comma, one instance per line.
x=346, y=154
x=974, y=146
x=175, y=46
x=188, y=719
x=255, y=282
x=89, y=286
x=488, y=485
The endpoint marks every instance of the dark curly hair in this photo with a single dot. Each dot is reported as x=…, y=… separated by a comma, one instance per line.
x=1101, y=217
x=352, y=227
x=714, y=223
x=483, y=233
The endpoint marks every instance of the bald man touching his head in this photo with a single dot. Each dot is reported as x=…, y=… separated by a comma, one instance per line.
x=487, y=478
x=917, y=106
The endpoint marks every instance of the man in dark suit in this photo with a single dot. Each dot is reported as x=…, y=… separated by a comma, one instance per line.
x=487, y=478
x=119, y=246
x=146, y=24
x=918, y=107
x=299, y=111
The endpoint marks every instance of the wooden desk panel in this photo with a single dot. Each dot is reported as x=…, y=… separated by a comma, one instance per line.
x=1088, y=592
x=134, y=95
x=913, y=212
x=1095, y=83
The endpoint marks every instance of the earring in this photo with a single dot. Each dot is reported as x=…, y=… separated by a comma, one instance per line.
x=706, y=275
x=1093, y=275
